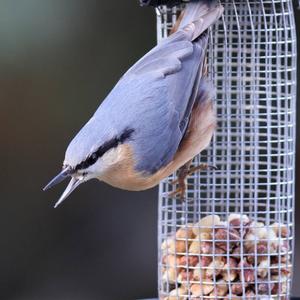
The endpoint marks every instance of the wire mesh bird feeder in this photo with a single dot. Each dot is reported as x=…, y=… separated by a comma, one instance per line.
x=232, y=238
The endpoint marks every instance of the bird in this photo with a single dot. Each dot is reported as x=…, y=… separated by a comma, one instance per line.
x=156, y=119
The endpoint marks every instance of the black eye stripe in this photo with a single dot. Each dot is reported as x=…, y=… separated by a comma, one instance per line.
x=114, y=142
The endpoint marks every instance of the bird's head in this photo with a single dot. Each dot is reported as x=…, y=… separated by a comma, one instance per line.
x=87, y=158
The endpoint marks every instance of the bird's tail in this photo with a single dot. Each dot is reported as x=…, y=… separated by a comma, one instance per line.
x=202, y=14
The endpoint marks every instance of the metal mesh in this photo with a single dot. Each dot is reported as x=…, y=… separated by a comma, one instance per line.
x=233, y=236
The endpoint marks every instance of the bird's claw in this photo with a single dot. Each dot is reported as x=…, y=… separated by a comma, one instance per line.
x=179, y=193
x=181, y=179
x=202, y=167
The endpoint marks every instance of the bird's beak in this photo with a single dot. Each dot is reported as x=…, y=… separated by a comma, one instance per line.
x=58, y=178
x=73, y=184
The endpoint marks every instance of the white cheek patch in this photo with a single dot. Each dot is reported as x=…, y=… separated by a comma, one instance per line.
x=110, y=160
x=111, y=157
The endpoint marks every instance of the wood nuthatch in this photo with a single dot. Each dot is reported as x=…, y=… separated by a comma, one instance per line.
x=156, y=119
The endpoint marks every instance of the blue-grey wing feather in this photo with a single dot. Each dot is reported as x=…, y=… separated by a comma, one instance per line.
x=155, y=97
x=177, y=45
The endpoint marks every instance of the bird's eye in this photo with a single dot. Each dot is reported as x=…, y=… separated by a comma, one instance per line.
x=92, y=159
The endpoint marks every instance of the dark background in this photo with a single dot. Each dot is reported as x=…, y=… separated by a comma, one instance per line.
x=58, y=60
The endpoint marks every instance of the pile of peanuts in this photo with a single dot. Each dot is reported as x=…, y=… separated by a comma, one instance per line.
x=233, y=259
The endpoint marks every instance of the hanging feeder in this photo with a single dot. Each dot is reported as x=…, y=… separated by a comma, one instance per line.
x=233, y=236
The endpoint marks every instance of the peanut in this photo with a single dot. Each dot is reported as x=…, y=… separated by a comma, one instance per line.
x=206, y=224
x=185, y=232
x=263, y=268
x=173, y=247
x=170, y=275
x=177, y=294
x=205, y=288
x=280, y=230
x=215, y=267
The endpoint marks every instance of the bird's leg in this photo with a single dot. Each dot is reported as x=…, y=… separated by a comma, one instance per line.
x=183, y=173
x=201, y=167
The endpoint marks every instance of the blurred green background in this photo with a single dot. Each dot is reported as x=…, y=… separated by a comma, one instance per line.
x=58, y=60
